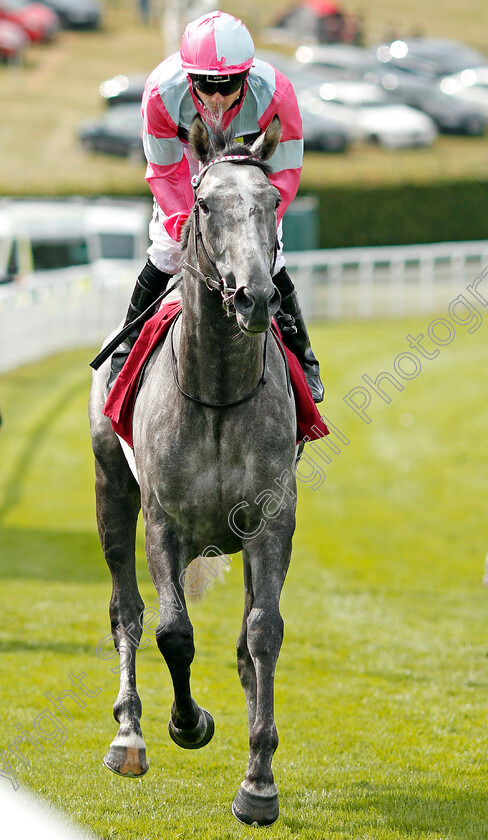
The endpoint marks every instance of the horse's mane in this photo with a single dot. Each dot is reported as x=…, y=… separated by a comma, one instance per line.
x=223, y=143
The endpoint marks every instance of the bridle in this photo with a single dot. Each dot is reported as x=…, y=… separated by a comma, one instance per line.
x=217, y=282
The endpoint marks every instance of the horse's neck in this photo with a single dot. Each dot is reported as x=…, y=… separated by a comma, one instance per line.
x=216, y=362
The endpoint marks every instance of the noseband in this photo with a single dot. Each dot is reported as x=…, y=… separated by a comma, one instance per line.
x=217, y=282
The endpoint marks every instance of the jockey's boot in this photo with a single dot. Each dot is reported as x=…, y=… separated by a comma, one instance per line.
x=295, y=335
x=150, y=283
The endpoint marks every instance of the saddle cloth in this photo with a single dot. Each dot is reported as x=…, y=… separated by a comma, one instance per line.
x=120, y=402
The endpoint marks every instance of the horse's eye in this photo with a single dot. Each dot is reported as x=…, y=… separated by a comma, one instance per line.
x=203, y=206
x=278, y=202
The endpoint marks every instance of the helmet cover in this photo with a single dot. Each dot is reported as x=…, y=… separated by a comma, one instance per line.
x=216, y=44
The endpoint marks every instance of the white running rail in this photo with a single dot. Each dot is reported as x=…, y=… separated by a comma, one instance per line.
x=343, y=283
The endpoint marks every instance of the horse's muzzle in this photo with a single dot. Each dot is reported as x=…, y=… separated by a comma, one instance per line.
x=256, y=307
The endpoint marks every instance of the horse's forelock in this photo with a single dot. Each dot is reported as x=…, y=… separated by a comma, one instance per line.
x=223, y=143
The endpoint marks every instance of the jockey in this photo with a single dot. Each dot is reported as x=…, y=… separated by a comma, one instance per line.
x=214, y=73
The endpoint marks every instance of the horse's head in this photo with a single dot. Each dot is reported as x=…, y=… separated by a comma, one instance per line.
x=234, y=221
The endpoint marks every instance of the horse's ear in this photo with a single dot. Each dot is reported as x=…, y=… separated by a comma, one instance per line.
x=265, y=146
x=198, y=138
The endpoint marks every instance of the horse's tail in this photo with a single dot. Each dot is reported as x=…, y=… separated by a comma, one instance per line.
x=203, y=572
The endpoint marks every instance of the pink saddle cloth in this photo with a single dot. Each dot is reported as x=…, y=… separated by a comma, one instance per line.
x=120, y=402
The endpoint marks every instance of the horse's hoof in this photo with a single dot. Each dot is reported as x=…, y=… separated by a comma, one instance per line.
x=252, y=809
x=199, y=736
x=127, y=761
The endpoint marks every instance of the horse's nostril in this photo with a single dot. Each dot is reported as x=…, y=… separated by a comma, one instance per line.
x=274, y=302
x=244, y=300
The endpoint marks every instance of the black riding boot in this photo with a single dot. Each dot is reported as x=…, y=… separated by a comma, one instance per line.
x=294, y=331
x=150, y=283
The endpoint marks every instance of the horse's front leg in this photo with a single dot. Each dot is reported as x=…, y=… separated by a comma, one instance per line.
x=257, y=799
x=118, y=505
x=190, y=726
x=245, y=665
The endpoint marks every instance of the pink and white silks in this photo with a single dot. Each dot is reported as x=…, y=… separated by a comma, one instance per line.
x=168, y=107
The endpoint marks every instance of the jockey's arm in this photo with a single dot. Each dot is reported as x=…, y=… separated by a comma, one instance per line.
x=167, y=172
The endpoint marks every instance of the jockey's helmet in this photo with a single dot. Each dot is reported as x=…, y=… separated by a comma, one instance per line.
x=217, y=51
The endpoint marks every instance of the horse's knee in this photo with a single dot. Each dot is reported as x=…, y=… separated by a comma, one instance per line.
x=264, y=632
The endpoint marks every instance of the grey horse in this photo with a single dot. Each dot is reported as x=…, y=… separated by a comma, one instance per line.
x=214, y=431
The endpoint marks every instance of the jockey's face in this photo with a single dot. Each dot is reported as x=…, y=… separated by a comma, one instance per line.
x=216, y=103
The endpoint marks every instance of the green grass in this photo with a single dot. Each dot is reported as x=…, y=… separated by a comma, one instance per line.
x=383, y=678
x=44, y=103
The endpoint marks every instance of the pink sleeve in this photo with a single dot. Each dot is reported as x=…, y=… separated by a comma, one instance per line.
x=167, y=172
x=171, y=186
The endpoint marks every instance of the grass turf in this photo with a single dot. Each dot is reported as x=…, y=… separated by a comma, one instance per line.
x=382, y=680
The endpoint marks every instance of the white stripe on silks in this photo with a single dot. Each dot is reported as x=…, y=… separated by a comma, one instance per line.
x=162, y=150
x=262, y=84
x=288, y=155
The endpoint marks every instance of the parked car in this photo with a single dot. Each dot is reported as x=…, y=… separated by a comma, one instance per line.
x=432, y=57
x=13, y=41
x=369, y=116
x=451, y=114
x=122, y=89
x=41, y=239
x=321, y=133
x=336, y=61
x=76, y=14
x=471, y=85
x=39, y=22
x=118, y=132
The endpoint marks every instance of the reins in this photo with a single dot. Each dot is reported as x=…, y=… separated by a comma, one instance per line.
x=249, y=396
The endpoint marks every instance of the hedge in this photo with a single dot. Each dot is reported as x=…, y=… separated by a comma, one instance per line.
x=404, y=214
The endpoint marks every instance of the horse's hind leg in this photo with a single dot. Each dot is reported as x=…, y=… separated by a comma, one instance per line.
x=190, y=726
x=262, y=635
x=118, y=505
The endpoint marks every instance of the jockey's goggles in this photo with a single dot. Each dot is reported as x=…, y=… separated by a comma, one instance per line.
x=225, y=85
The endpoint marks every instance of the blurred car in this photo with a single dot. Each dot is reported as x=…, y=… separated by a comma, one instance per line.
x=343, y=61
x=321, y=133
x=471, y=85
x=13, y=41
x=76, y=14
x=39, y=22
x=369, y=116
x=432, y=57
x=451, y=114
x=337, y=61
x=123, y=89
x=118, y=132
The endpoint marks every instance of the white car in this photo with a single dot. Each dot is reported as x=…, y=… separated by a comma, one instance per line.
x=369, y=115
x=470, y=84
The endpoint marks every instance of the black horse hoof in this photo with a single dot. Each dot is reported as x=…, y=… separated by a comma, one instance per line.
x=199, y=736
x=252, y=809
